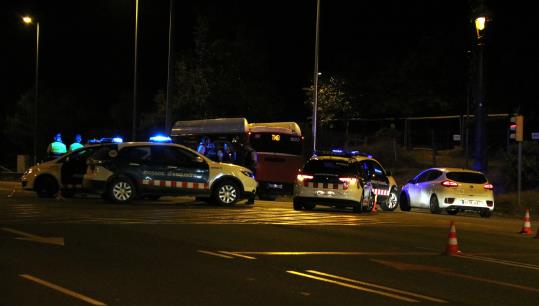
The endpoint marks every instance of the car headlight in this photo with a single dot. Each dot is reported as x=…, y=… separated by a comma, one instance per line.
x=29, y=171
x=248, y=173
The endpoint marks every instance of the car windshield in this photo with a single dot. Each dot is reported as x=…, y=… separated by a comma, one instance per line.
x=467, y=177
x=341, y=168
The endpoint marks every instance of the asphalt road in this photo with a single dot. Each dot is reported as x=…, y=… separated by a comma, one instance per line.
x=176, y=251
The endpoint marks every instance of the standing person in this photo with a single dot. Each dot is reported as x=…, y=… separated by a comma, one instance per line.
x=77, y=144
x=57, y=147
x=202, y=146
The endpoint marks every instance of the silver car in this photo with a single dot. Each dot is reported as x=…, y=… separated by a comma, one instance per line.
x=449, y=189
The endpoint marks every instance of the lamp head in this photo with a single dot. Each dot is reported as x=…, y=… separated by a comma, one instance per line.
x=27, y=20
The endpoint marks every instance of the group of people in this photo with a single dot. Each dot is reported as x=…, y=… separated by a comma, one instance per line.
x=235, y=152
x=58, y=148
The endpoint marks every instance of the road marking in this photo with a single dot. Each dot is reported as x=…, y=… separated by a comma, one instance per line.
x=237, y=255
x=416, y=295
x=35, y=238
x=327, y=280
x=337, y=253
x=215, y=254
x=500, y=261
x=62, y=290
x=444, y=271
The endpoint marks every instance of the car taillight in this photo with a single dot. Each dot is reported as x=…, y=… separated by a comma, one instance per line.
x=303, y=177
x=449, y=184
x=488, y=186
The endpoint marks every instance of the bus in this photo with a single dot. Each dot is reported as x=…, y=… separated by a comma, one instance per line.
x=278, y=146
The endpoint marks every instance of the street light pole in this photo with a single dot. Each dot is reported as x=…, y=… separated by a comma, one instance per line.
x=28, y=20
x=315, y=76
x=480, y=162
x=170, y=71
x=134, y=122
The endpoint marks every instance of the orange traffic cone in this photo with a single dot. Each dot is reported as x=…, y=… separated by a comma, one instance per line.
x=375, y=203
x=526, y=227
x=452, y=243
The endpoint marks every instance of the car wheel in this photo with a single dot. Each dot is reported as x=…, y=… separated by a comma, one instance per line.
x=368, y=203
x=298, y=205
x=434, y=206
x=121, y=190
x=452, y=212
x=226, y=193
x=404, y=202
x=485, y=213
x=392, y=201
x=46, y=187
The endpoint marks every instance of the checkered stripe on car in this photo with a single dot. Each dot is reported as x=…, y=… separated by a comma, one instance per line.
x=176, y=184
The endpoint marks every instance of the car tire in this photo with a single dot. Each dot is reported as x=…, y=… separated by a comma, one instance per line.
x=367, y=205
x=121, y=190
x=485, y=213
x=46, y=187
x=434, y=205
x=404, y=202
x=392, y=201
x=297, y=205
x=226, y=193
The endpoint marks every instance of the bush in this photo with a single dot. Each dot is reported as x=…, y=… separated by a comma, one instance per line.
x=530, y=166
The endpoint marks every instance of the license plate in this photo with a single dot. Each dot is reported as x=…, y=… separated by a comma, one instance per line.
x=470, y=202
x=275, y=186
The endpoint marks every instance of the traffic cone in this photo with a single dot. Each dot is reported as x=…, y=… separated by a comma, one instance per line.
x=375, y=203
x=452, y=243
x=526, y=227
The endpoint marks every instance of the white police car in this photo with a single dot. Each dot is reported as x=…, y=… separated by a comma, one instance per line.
x=125, y=171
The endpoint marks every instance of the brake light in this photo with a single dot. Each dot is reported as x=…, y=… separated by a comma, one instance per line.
x=302, y=177
x=449, y=184
x=488, y=186
x=348, y=180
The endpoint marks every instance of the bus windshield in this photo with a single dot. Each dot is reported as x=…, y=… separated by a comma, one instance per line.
x=276, y=143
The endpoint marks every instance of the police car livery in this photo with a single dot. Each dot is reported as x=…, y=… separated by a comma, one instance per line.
x=146, y=169
x=343, y=179
x=63, y=174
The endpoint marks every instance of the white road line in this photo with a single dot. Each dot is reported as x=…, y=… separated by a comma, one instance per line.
x=416, y=295
x=237, y=255
x=386, y=294
x=500, y=261
x=62, y=290
x=215, y=254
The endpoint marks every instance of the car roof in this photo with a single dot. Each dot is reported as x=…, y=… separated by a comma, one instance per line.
x=450, y=169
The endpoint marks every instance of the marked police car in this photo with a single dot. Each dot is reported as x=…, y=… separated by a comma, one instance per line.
x=345, y=179
x=149, y=169
x=62, y=174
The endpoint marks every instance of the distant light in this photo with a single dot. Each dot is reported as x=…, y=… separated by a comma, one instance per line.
x=480, y=23
x=160, y=138
x=338, y=151
x=27, y=19
x=117, y=140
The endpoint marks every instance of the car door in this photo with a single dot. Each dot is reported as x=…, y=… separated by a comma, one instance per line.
x=74, y=167
x=414, y=189
x=183, y=171
x=135, y=162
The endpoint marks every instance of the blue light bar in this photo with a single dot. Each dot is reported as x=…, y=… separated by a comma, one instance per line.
x=117, y=140
x=338, y=151
x=160, y=138
x=111, y=140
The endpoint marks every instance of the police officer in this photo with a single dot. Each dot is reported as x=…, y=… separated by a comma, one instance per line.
x=57, y=147
x=77, y=144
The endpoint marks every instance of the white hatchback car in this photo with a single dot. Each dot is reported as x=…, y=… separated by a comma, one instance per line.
x=449, y=189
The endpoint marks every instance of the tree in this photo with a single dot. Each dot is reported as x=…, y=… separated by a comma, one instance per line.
x=333, y=101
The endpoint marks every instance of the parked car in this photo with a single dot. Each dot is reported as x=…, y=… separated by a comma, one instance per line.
x=122, y=172
x=449, y=189
x=343, y=179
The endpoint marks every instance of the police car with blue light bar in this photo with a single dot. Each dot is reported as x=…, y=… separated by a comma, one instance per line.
x=123, y=172
x=345, y=179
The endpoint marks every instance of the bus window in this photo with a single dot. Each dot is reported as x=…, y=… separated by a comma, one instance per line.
x=277, y=143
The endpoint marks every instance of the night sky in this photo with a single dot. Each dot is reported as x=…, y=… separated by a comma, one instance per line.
x=87, y=47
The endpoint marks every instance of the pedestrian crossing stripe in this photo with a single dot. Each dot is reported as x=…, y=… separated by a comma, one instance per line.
x=175, y=184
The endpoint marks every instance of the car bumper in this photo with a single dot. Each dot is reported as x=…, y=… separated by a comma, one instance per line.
x=473, y=204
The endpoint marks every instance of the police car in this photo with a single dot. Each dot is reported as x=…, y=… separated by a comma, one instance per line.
x=63, y=174
x=345, y=179
x=126, y=171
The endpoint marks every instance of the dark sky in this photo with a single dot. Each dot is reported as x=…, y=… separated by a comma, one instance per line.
x=88, y=46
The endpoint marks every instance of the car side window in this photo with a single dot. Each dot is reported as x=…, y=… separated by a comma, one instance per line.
x=422, y=177
x=173, y=156
x=434, y=174
x=379, y=172
x=135, y=154
x=364, y=170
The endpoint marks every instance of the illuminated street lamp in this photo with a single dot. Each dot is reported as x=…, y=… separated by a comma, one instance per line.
x=480, y=162
x=29, y=20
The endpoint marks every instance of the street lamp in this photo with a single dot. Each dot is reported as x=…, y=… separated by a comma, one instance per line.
x=480, y=162
x=29, y=20
x=134, y=117
x=316, y=74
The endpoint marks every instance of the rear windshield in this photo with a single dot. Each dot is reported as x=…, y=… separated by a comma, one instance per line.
x=467, y=177
x=330, y=166
x=103, y=153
